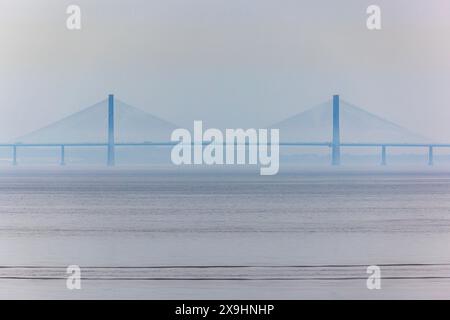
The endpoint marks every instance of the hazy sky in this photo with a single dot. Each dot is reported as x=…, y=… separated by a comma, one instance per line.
x=231, y=63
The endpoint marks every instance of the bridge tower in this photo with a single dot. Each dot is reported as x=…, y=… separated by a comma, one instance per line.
x=111, y=151
x=336, y=144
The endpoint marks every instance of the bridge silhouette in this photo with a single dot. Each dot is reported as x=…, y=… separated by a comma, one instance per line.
x=335, y=144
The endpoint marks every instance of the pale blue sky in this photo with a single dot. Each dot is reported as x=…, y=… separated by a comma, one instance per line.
x=246, y=63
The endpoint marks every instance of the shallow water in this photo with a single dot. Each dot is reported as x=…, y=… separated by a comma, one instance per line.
x=160, y=233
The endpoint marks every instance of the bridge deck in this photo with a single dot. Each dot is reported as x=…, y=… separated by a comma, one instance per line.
x=325, y=144
x=62, y=146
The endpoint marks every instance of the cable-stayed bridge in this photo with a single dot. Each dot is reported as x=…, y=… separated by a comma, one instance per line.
x=111, y=143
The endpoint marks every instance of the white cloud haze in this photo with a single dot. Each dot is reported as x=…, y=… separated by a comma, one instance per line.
x=246, y=63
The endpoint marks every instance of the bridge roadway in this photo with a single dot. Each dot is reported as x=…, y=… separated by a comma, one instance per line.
x=383, y=146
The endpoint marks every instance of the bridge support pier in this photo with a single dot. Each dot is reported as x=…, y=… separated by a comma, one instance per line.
x=336, y=145
x=63, y=156
x=383, y=155
x=111, y=151
x=430, y=156
x=14, y=162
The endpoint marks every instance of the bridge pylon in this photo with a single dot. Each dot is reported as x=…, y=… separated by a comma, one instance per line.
x=336, y=144
x=111, y=144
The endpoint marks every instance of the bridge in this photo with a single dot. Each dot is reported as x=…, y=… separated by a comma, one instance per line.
x=335, y=144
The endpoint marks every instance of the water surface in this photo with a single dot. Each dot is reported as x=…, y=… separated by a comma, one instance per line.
x=164, y=233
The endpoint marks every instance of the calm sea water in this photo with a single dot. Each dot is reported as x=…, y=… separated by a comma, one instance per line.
x=168, y=234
